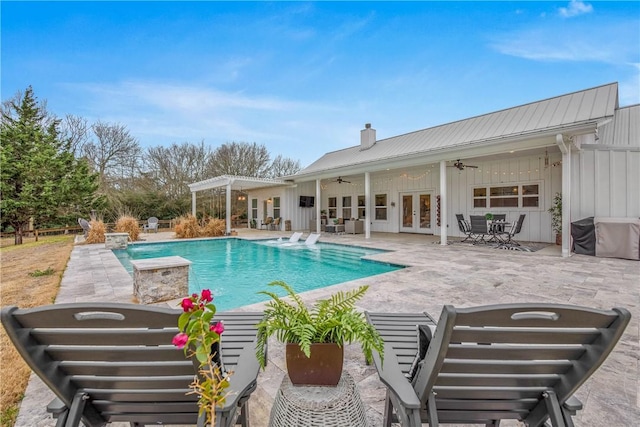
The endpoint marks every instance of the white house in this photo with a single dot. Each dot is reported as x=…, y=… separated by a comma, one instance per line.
x=512, y=162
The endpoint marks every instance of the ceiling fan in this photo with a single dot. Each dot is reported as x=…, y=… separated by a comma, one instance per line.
x=340, y=180
x=458, y=164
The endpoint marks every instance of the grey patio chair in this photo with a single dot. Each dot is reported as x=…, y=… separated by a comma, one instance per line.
x=479, y=228
x=507, y=235
x=486, y=364
x=115, y=362
x=85, y=226
x=464, y=226
x=152, y=224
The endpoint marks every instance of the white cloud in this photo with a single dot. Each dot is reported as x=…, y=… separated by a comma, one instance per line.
x=161, y=113
x=575, y=8
x=612, y=42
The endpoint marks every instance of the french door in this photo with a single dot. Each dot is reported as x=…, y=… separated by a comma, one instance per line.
x=416, y=212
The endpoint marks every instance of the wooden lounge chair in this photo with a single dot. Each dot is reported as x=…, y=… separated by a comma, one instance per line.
x=115, y=362
x=485, y=364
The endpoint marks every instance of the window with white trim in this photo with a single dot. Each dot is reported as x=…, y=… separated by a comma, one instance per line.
x=276, y=207
x=361, y=207
x=346, y=207
x=381, y=206
x=507, y=196
x=333, y=207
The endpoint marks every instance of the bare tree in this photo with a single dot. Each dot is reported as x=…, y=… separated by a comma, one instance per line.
x=173, y=168
x=283, y=166
x=114, y=154
x=76, y=131
x=240, y=158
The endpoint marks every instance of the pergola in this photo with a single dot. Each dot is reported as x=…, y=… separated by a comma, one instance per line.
x=230, y=182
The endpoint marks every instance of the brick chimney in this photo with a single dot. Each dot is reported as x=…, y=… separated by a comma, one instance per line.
x=367, y=137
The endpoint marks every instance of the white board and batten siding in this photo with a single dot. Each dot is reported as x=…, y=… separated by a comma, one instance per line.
x=522, y=170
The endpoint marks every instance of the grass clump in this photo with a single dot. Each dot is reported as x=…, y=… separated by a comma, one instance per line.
x=128, y=224
x=39, y=273
x=188, y=227
x=214, y=228
x=96, y=232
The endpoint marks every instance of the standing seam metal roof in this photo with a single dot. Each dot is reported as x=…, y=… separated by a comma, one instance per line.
x=587, y=106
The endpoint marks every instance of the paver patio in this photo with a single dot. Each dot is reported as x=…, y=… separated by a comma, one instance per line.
x=455, y=274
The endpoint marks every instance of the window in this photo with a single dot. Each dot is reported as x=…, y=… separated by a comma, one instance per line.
x=507, y=196
x=381, y=207
x=346, y=207
x=254, y=208
x=276, y=207
x=361, y=207
x=333, y=207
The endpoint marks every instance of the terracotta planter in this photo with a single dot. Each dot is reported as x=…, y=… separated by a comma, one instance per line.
x=558, y=239
x=324, y=367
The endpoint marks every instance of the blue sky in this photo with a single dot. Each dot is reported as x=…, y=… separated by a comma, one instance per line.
x=303, y=78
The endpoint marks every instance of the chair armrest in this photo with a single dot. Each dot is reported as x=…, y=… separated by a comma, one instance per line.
x=243, y=379
x=391, y=375
x=573, y=404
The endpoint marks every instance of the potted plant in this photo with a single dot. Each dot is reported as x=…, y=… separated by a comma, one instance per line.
x=556, y=217
x=315, y=336
x=200, y=340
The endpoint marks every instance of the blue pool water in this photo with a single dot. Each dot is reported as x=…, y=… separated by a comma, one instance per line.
x=235, y=270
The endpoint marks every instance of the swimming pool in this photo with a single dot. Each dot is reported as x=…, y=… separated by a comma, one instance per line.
x=235, y=269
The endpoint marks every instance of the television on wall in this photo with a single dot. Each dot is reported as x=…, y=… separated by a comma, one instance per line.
x=306, y=201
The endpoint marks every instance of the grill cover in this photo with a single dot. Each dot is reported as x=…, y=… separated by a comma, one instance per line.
x=583, y=233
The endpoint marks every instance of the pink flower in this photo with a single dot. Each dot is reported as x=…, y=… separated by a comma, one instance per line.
x=180, y=340
x=218, y=328
x=206, y=295
x=187, y=304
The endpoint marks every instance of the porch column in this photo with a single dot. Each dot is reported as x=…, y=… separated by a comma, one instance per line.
x=566, y=194
x=228, y=208
x=318, y=206
x=443, y=203
x=193, y=203
x=367, y=204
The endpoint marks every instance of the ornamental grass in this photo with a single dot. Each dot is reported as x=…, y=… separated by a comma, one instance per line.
x=214, y=228
x=96, y=233
x=128, y=224
x=187, y=227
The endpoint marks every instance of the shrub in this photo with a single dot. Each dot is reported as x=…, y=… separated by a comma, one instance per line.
x=128, y=224
x=96, y=233
x=214, y=228
x=187, y=227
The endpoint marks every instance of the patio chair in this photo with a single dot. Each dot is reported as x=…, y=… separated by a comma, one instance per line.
x=295, y=237
x=85, y=226
x=508, y=241
x=152, y=224
x=479, y=228
x=486, y=364
x=266, y=223
x=114, y=362
x=311, y=239
x=275, y=225
x=464, y=226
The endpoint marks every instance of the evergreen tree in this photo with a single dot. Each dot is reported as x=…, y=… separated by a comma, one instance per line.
x=41, y=180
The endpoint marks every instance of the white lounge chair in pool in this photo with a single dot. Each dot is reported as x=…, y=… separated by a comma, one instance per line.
x=295, y=237
x=312, y=239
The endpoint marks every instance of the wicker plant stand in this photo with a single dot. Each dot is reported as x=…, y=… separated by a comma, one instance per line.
x=318, y=406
